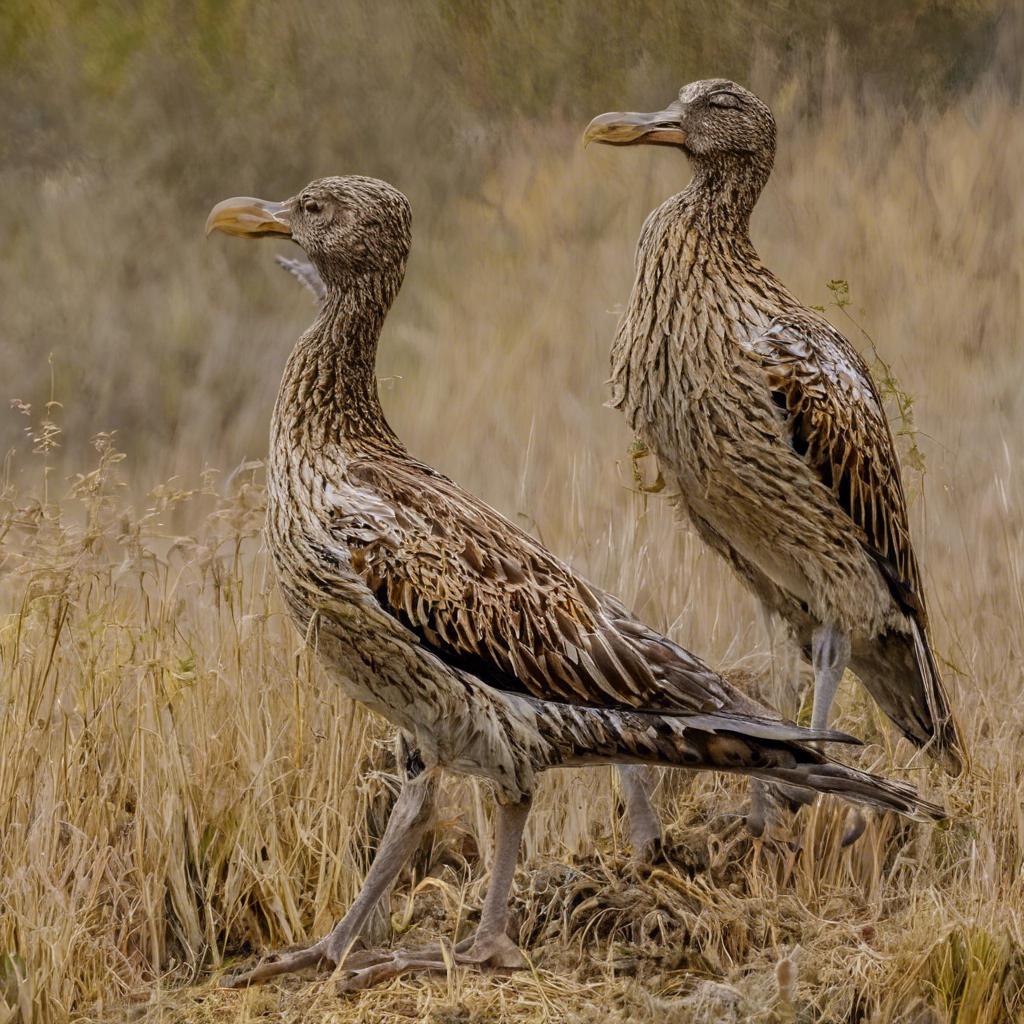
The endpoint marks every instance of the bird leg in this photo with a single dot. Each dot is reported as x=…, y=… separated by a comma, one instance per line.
x=637, y=782
x=830, y=652
x=489, y=946
x=409, y=819
x=761, y=811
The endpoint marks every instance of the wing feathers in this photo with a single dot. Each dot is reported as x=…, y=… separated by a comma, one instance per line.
x=487, y=597
x=835, y=421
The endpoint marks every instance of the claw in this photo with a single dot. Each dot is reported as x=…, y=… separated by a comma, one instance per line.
x=393, y=967
x=855, y=828
x=364, y=970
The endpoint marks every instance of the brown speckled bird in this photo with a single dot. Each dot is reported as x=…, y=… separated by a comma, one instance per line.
x=489, y=654
x=766, y=420
x=636, y=782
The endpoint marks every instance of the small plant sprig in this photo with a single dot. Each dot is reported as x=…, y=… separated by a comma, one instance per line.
x=638, y=451
x=46, y=436
x=893, y=392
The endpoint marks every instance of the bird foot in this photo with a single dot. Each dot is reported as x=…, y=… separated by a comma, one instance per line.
x=688, y=855
x=497, y=951
x=327, y=953
x=365, y=969
x=276, y=964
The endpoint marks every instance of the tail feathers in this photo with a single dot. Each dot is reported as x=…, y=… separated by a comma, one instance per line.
x=796, y=765
x=306, y=273
x=899, y=670
x=766, y=728
x=945, y=732
x=766, y=749
x=860, y=787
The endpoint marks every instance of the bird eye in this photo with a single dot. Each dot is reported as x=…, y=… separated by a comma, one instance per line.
x=311, y=206
x=724, y=99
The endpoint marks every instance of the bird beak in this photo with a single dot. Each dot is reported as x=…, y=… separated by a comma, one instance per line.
x=630, y=129
x=252, y=218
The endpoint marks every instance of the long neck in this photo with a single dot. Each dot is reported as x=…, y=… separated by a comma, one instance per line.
x=697, y=244
x=724, y=190
x=328, y=394
x=699, y=289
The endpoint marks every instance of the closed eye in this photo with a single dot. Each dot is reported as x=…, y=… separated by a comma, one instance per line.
x=724, y=99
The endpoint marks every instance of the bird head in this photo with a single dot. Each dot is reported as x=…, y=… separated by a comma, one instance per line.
x=350, y=227
x=710, y=117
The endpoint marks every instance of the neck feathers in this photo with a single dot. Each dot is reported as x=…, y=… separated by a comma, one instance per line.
x=725, y=188
x=699, y=288
x=328, y=394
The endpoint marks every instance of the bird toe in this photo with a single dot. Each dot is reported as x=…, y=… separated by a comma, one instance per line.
x=496, y=951
x=277, y=964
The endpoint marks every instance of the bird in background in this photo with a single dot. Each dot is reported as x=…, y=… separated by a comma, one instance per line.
x=488, y=653
x=766, y=422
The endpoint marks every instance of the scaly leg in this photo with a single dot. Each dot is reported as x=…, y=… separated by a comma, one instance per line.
x=637, y=782
x=408, y=820
x=489, y=946
x=830, y=652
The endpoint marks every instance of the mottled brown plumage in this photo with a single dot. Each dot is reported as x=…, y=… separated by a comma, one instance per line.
x=767, y=421
x=636, y=781
x=490, y=655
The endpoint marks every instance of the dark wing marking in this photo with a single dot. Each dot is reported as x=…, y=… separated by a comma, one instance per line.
x=836, y=423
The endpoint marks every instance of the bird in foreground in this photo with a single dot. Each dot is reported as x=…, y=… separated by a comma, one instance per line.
x=767, y=422
x=490, y=655
x=636, y=782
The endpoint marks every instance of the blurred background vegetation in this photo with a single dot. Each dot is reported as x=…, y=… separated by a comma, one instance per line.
x=121, y=123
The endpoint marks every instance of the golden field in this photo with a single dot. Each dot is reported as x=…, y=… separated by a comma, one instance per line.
x=181, y=787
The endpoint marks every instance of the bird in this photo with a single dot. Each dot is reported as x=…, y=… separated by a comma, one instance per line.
x=766, y=421
x=636, y=782
x=490, y=655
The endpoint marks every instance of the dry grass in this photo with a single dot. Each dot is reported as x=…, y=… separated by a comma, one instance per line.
x=180, y=786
